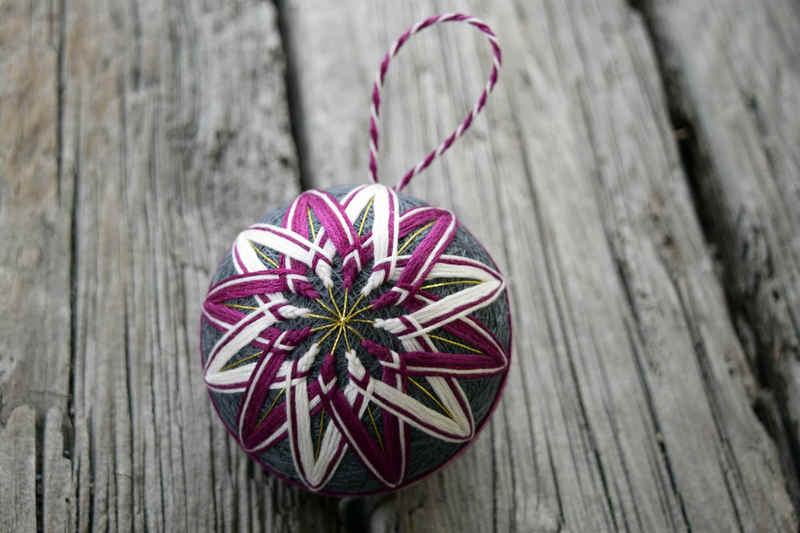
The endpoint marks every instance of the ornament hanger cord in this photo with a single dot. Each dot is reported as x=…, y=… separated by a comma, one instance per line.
x=374, y=121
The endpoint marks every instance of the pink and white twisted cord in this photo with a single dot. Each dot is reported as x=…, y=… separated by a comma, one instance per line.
x=374, y=122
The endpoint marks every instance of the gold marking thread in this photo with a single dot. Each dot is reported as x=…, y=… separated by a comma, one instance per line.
x=311, y=223
x=445, y=283
x=262, y=254
x=375, y=427
x=319, y=436
x=320, y=302
x=364, y=218
x=431, y=396
x=470, y=348
x=358, y=301
x=414, y=236
x=333, y=300
x=344, y=308
x=326, y=326
x=346, y=340
x=354, y=330
x=270, y=407
x=246, y=307
x=240, y=361
x=366, y=308
x=331, y=330
x=333, y=350
x=361, y=320
x=322, y=317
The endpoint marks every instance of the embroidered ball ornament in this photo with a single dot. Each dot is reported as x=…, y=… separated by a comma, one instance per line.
x=356, y=340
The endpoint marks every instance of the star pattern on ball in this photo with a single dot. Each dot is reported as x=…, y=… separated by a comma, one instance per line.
x=297, y=395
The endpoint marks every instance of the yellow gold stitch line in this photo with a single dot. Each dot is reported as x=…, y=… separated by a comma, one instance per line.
x=361, y=320
x=240, y=361
x=311, y=223
x=262, y=254
x=333, y=350
x=326, y=326
x=270, y=408
x=351, y=328
x=364, y=218
x=414, y=236
x=431, y=396
x=375, y=427
x=246, y=307
x=320, y=302
x=445, y=283
x=366, y=308
x=333, y=300
x=470, y=348
x=358, y=301
x=344, y=308
x=322, y=317
x=331, y=330
x=346, y=340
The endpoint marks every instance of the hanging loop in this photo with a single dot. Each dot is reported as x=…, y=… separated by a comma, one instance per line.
x=374, y=120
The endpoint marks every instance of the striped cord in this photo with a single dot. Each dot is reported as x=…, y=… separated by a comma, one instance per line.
x=374, y=121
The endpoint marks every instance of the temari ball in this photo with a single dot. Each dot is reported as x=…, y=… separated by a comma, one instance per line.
x=356, y=340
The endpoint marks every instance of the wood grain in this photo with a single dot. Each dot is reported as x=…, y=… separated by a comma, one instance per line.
x=18, y=487
x=732, y=68
x=626, y=405
x=35, y=270
x=34, y=215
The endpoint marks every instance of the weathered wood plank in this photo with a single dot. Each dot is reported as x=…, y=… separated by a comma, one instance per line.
x=732, y=68
x=176, y=134
x=35, y=206
x=20, y=450
x=57, y=488
x=18, y=469
x=35, y=337
x=626, y=406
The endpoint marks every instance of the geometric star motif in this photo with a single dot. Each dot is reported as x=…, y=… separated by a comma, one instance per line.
x=280, y=394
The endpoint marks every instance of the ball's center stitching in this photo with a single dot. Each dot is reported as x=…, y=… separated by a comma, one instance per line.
x=339, y=319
